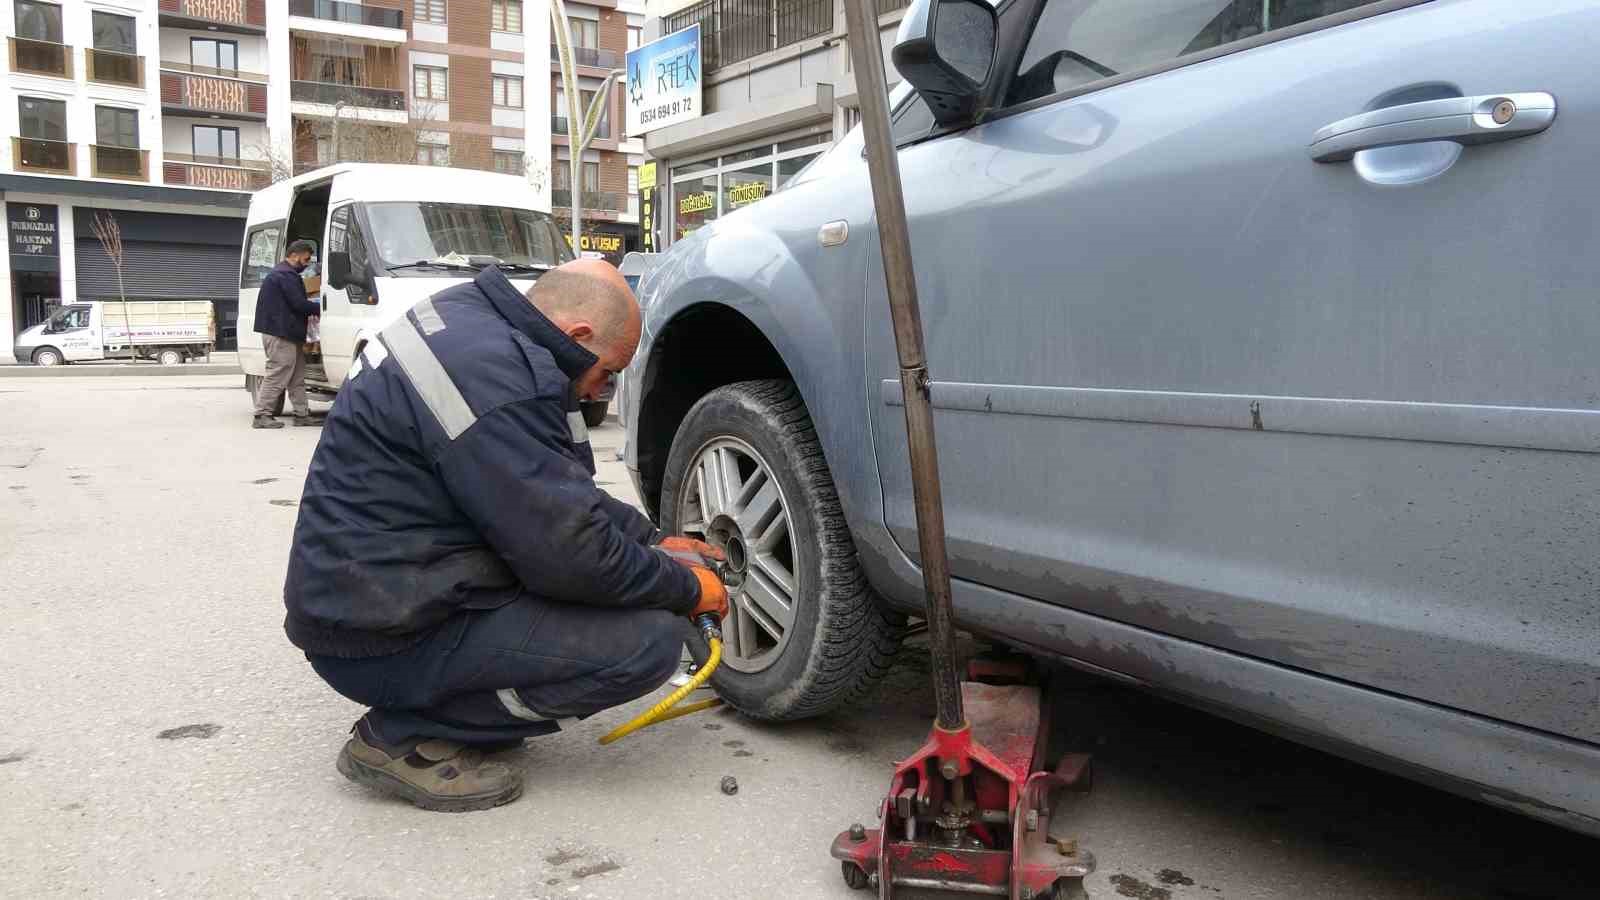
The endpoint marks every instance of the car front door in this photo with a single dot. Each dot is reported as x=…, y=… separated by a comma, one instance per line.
x=1339, y=415
x=77, y=333
x=346, y=310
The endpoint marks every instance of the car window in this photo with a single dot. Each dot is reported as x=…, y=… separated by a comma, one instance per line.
x=1078, y=42
x=260, y=255
x=912, y=122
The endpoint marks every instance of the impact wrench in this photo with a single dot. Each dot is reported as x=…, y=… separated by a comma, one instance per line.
x=711, y=628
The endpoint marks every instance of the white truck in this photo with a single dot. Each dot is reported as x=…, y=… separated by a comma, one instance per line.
x=168, y=331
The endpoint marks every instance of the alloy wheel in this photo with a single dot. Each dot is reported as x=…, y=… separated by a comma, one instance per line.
x=731, y=500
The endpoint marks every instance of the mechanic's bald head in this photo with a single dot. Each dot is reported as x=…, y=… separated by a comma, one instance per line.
x=590, y=301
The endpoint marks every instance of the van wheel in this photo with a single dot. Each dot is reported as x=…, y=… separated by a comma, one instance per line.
x=170, y=357
x=252, y=384
x=47, y=356
x=805, y=633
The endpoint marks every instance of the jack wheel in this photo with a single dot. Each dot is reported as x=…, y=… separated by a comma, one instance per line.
x=854, y=875
x=1066, y=889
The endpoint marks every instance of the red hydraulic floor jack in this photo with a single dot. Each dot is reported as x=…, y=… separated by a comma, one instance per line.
x=968, y=813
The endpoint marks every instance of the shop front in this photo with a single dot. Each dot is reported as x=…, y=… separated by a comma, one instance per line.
x=706, y=188
x=176, y=244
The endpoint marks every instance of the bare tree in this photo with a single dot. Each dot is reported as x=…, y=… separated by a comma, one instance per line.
x=109, y=233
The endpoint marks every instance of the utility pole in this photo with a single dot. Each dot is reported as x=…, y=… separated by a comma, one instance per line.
x=581, y=126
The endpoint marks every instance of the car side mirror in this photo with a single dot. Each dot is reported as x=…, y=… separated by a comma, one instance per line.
x=339, y=270
x=946, y=50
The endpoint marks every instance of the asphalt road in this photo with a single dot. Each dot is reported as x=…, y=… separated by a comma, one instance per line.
x=160, y=737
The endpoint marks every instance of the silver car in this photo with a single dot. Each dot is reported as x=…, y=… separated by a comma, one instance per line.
x=1265, y=344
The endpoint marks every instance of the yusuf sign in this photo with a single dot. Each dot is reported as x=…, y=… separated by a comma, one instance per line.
x=664, y=82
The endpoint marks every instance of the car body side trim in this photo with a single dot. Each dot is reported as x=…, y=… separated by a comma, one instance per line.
x=1534, y=428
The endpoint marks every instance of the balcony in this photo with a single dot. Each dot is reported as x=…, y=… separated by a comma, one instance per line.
x=593, y=201
x=588, y=56
x=239, y=16
x=41, y=58
x=332, y=94
x=558, y=126
x=348, y=13
x=190, y=90
x=38, y=155
x=111, y=67
x=214, y=172
x=735, y=30
x=123, y=163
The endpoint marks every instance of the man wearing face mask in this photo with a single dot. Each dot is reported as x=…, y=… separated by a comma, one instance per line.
x=455, y=568
x=281, y=313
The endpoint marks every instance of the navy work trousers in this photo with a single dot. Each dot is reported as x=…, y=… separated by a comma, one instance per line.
x=512, y=672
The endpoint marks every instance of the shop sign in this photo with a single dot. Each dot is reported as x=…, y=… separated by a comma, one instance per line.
x=689, y=204
x=664, y=82
x=647, y=207
x=747, y=193
x=597, y=242
x=33, y=229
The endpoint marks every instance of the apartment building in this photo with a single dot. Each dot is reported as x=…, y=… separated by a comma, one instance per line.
x=776, y=90
x=139, y=111
x=167, y=113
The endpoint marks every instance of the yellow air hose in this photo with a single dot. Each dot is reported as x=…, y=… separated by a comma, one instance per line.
x=663, y=711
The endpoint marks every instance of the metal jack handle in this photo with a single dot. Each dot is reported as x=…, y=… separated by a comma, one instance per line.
x=883, y=167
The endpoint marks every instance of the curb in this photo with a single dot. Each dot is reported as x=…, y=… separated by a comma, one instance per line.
x=81, y=371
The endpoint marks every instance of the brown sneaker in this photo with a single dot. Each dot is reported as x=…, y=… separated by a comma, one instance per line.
x=437, y=775
x=265, y=422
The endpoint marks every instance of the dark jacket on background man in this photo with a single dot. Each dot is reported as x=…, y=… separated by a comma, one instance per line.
x=281, y=304
x=454, y=473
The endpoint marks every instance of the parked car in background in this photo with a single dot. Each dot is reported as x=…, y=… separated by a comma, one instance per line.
x=1264, y=344
x=172, y=332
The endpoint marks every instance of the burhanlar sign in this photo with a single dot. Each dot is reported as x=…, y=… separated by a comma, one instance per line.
x=664, y=82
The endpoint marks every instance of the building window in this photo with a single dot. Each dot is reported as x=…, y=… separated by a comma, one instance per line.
x=209, y=53
x=507, y=91
x=506, y=15
x=591, y=177
x=42, y=120
x=38, y=21
x=633, y=179
x=113, y=33
x=212, y=142
x=431, y=82
x=433, y=154
x=585, y=32
x=508, y=161
x=428, y=11
x=635, y=37
x=604, y=131
x=116, y=127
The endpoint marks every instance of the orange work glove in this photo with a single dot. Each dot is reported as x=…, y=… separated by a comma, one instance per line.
x=713, y=595
x=680, y=544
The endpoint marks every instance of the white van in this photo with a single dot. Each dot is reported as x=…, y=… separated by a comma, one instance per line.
x=387, y=236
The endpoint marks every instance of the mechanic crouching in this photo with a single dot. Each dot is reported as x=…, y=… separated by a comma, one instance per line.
x=455, y=567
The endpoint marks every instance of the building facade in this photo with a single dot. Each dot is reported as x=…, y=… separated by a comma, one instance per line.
x=777, y=89
x=165, y=114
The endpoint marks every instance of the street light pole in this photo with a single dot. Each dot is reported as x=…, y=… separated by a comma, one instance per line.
x=581, y=124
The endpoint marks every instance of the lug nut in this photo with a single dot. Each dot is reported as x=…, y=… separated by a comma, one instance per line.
x=949, y=769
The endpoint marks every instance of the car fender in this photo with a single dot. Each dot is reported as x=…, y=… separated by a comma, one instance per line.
x=806, y=305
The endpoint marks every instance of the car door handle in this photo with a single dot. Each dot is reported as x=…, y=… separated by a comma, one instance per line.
x=1466, y=120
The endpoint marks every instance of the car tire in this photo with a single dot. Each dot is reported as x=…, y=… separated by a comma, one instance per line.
x=170, y=357
x=252, y=384
x=48, y=356
x=839, y=639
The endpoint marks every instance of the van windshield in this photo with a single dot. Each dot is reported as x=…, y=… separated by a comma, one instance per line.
x=408, y=233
